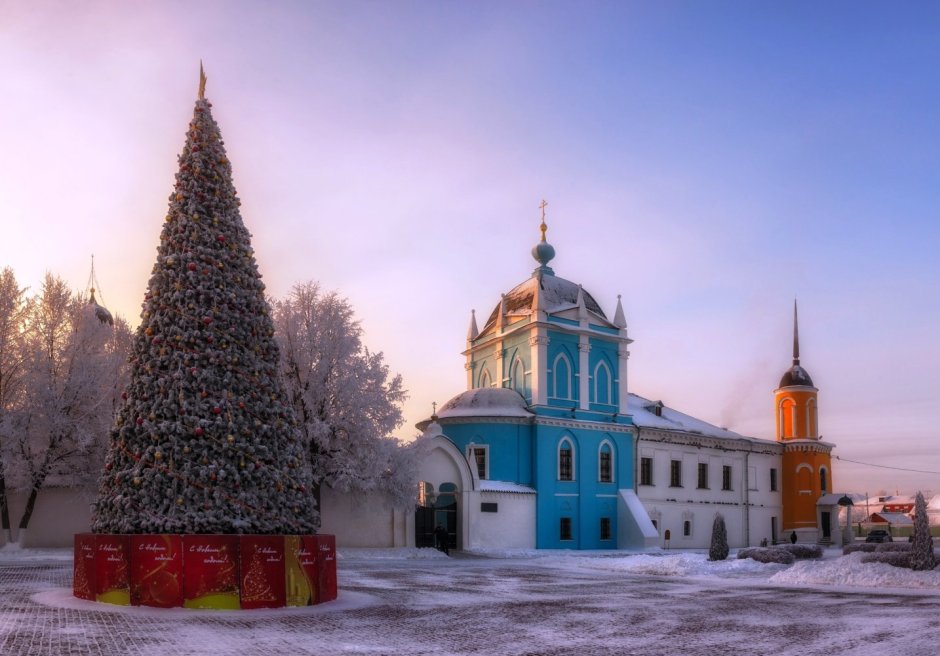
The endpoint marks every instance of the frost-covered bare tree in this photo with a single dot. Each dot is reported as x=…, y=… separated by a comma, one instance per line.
x=14, y=307
x=346, y=402
x=922, y=556
x=76, y=365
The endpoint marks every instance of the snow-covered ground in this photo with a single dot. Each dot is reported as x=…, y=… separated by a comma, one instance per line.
x=418, y=601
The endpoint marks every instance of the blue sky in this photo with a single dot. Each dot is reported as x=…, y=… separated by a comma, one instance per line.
x=707, y=160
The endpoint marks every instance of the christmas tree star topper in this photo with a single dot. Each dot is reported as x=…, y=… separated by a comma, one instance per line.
x=202, y=82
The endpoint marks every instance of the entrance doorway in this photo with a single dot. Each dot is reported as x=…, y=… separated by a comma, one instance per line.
x=826, y=529
x=773, y=530
x=435, y=510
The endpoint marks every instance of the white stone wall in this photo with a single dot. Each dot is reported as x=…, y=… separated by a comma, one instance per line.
x=511, y=527
x=59, y=514
x=747, y=507
x=364, y=520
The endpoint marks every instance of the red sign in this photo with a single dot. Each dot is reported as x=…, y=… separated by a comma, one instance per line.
x=112, y=584
x=301, y=571
x=83, y=572
x=157, y=571
x=327, y=563
x=262, y=571
x=210, y=571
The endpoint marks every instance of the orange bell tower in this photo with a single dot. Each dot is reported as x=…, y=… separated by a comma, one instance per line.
x=807, y=463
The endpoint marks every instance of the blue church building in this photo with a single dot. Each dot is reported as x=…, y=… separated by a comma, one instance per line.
x=539, y=451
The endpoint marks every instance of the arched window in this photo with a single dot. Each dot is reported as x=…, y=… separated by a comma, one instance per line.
x=811, y=418
x=787, y=418
x=602, y=383
x=565, y=460
x=605, y=463
x=517, y=377
x=485, y=378
x=561, y=376
x=822, y=480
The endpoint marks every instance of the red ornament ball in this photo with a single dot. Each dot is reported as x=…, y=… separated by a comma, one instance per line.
x=192, y=266
x=199, y=431
x=140, y=420
x=217, y=410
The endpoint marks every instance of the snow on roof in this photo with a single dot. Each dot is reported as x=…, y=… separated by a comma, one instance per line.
x=505, y=486
x=485, y=402
x=556, y=294
x=644, y=416
x=895, y=518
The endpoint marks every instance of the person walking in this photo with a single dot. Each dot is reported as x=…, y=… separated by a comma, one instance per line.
x=793, y=537
x=442, y=539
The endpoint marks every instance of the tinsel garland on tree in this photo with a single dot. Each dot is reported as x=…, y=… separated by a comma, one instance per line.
x=205, y=441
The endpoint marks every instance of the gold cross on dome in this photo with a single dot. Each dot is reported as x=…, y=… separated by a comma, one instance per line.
x=542, y=207
x=433, y=407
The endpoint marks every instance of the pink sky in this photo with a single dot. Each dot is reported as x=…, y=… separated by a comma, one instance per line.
x=708, y=166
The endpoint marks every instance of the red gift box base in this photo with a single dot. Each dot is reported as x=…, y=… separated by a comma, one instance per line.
x=205, y=571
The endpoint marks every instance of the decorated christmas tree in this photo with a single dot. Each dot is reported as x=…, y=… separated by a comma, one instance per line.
x=205, y=441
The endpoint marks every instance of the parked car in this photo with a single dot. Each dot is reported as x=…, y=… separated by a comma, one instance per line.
x=879, y=535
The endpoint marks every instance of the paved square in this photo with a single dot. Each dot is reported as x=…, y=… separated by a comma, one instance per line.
x=467, y=605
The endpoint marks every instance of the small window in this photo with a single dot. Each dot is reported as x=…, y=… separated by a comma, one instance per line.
x=655, y=524
x=646, y=471
x=565, y=462
x=605, y=473
x=773, y=479
x=703, y=475
x=726, y=477
x=477, y=455
x=489, y=507
x=675, y=473
x=605, y=528
x=822, y=480
x=687, y=528
x=564, y=527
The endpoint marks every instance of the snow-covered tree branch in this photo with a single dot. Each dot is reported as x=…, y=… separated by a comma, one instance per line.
x=346, y=401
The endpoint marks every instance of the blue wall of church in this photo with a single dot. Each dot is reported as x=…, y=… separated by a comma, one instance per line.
x=510, y=448
x=586, y=499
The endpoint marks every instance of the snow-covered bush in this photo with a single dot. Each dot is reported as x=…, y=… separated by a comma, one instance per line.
x=895, y=558
x=768, y=555
x=866, y=547
x=803, y=551
x=885, y=547
x=719, y=545
x=922, y=556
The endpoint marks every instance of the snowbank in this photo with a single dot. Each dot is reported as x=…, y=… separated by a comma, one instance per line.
x=403, y=553
x=684, y=564
x=11, y=554
x=851, y=571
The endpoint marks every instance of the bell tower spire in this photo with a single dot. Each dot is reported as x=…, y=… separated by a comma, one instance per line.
x=796, y=336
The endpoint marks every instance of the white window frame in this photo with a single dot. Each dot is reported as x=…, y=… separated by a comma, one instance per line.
x=610, y=383
x=562, y=356
x=517, y=383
